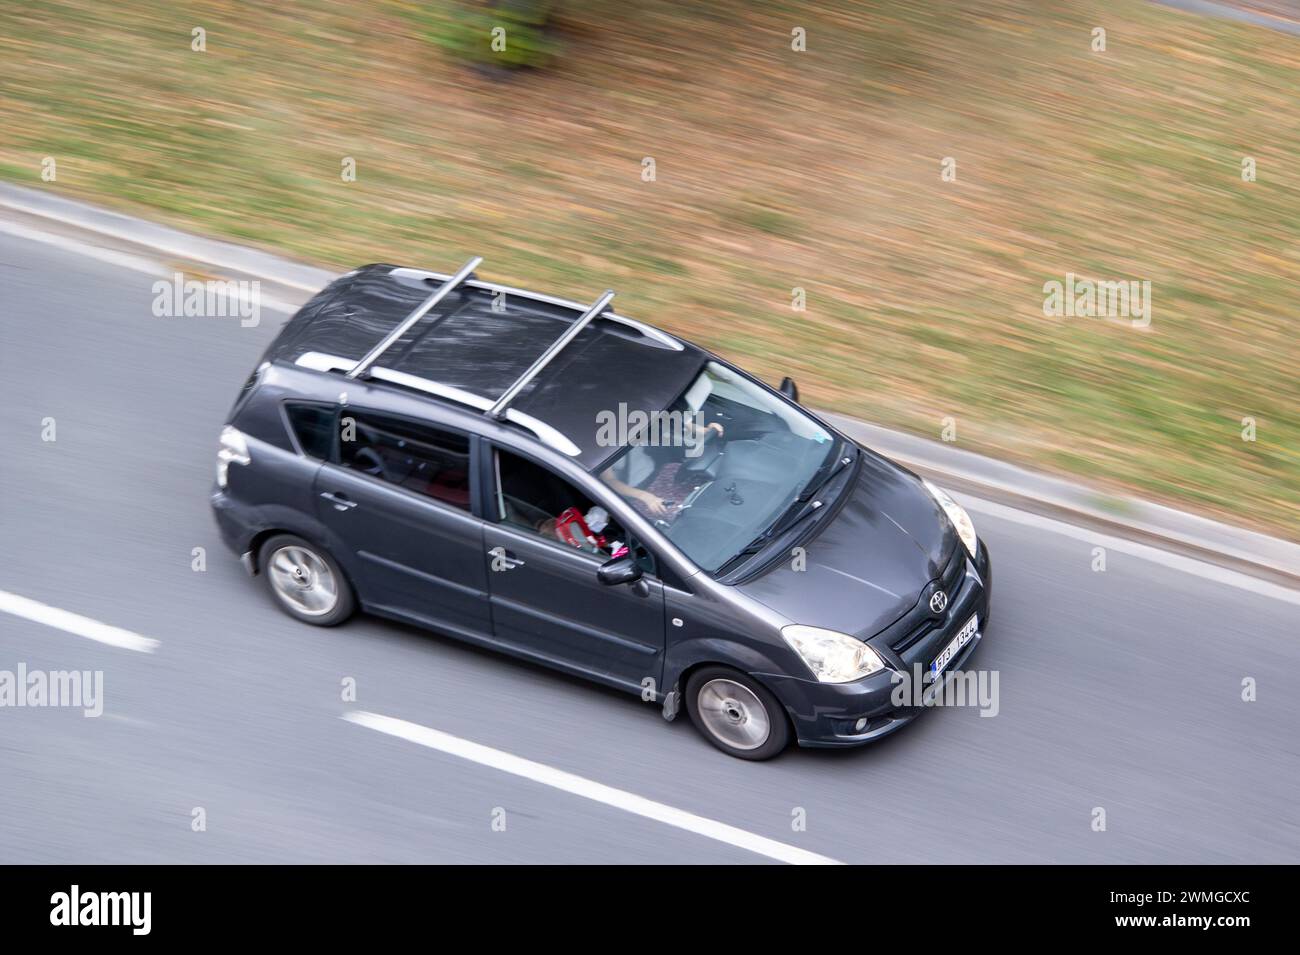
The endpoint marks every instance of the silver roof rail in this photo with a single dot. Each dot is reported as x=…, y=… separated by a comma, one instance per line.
x=423, y=309
x=499, y=409
x=648, y=331
x=552, y=437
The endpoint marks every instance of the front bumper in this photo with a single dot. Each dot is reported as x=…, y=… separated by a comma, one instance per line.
x=828, y=714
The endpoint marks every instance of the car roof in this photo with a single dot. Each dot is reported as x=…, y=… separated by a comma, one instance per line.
x=480, y=339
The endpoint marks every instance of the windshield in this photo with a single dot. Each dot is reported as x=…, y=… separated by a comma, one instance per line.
x=719, y=466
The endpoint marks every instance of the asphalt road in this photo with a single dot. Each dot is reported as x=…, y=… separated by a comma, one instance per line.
x=1118, y=689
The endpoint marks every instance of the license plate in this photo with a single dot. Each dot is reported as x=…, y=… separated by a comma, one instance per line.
x=964, y=636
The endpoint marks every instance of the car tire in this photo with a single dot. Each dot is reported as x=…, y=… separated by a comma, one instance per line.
x=736, y=713
x=305, y=581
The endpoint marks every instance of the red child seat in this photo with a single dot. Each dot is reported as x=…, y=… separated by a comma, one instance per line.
x=571, y=529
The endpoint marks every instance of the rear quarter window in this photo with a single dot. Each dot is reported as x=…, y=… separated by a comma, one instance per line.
x=313, y=427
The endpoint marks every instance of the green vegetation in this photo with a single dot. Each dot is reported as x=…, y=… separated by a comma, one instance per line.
x=774, y=169
x=506, y=34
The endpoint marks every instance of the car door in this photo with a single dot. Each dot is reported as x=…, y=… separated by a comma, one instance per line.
x=398, y=494
x=546, y=600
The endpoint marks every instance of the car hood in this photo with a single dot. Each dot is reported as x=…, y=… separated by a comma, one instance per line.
x=867, y=565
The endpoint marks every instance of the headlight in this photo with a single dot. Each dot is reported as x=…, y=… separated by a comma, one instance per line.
x=233, y=449
x=833, y=657
x=957, y=514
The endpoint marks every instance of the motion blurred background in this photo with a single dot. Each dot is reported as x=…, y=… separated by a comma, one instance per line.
x=774, y=169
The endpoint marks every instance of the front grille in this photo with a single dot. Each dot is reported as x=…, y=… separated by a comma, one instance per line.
x=914, y=637
x=950, y=582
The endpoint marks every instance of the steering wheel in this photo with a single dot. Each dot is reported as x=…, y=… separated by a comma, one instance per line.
x=705, y=460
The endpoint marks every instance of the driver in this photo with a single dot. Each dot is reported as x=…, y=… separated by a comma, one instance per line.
x=647, y=475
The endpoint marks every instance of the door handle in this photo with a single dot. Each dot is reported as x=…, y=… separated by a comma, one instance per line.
x=341, y=502
x=502, y=559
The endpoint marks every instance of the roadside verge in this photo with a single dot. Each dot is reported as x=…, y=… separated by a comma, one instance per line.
x=1176, y=531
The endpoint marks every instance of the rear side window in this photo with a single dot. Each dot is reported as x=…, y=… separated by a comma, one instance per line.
x=428, y=461
x=313, y=426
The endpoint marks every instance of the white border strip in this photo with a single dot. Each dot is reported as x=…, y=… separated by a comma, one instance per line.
x=75, y=623
x=1165, y=558
x=586, y=788
x=125, y=260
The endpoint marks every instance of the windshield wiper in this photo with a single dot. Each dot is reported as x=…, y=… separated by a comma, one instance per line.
x=782, y=525
x=794, y=514
x=819, y=481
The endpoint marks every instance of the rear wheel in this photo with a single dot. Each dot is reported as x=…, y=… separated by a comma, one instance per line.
x=736, y=713
x=306, y=581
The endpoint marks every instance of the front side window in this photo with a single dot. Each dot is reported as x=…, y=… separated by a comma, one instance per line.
x=428, y=461
x=535, y=499
x=719, y=467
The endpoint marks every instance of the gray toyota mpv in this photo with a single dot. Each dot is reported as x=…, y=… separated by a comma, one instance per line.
x=574, y=487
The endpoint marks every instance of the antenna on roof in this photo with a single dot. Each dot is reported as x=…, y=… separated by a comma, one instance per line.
x=498, y=409
x=423, y=309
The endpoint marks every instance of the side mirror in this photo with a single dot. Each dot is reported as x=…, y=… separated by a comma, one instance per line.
x=789, y=388
x=620, y=570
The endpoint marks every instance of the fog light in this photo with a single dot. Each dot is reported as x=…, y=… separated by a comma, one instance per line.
x=860, y=725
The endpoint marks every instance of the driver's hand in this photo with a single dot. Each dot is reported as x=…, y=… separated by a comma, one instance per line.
x=653, y=504
x=712, y=428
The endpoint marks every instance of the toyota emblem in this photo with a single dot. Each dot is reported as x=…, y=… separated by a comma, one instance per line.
x=938, y=602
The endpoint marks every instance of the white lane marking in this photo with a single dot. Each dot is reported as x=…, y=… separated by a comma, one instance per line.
x=588, y=789
x=1178, y=562
x=125, y=260
x=75, y=623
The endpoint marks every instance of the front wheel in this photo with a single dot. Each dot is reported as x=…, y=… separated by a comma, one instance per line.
x=736, y=713
x=306, y=581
